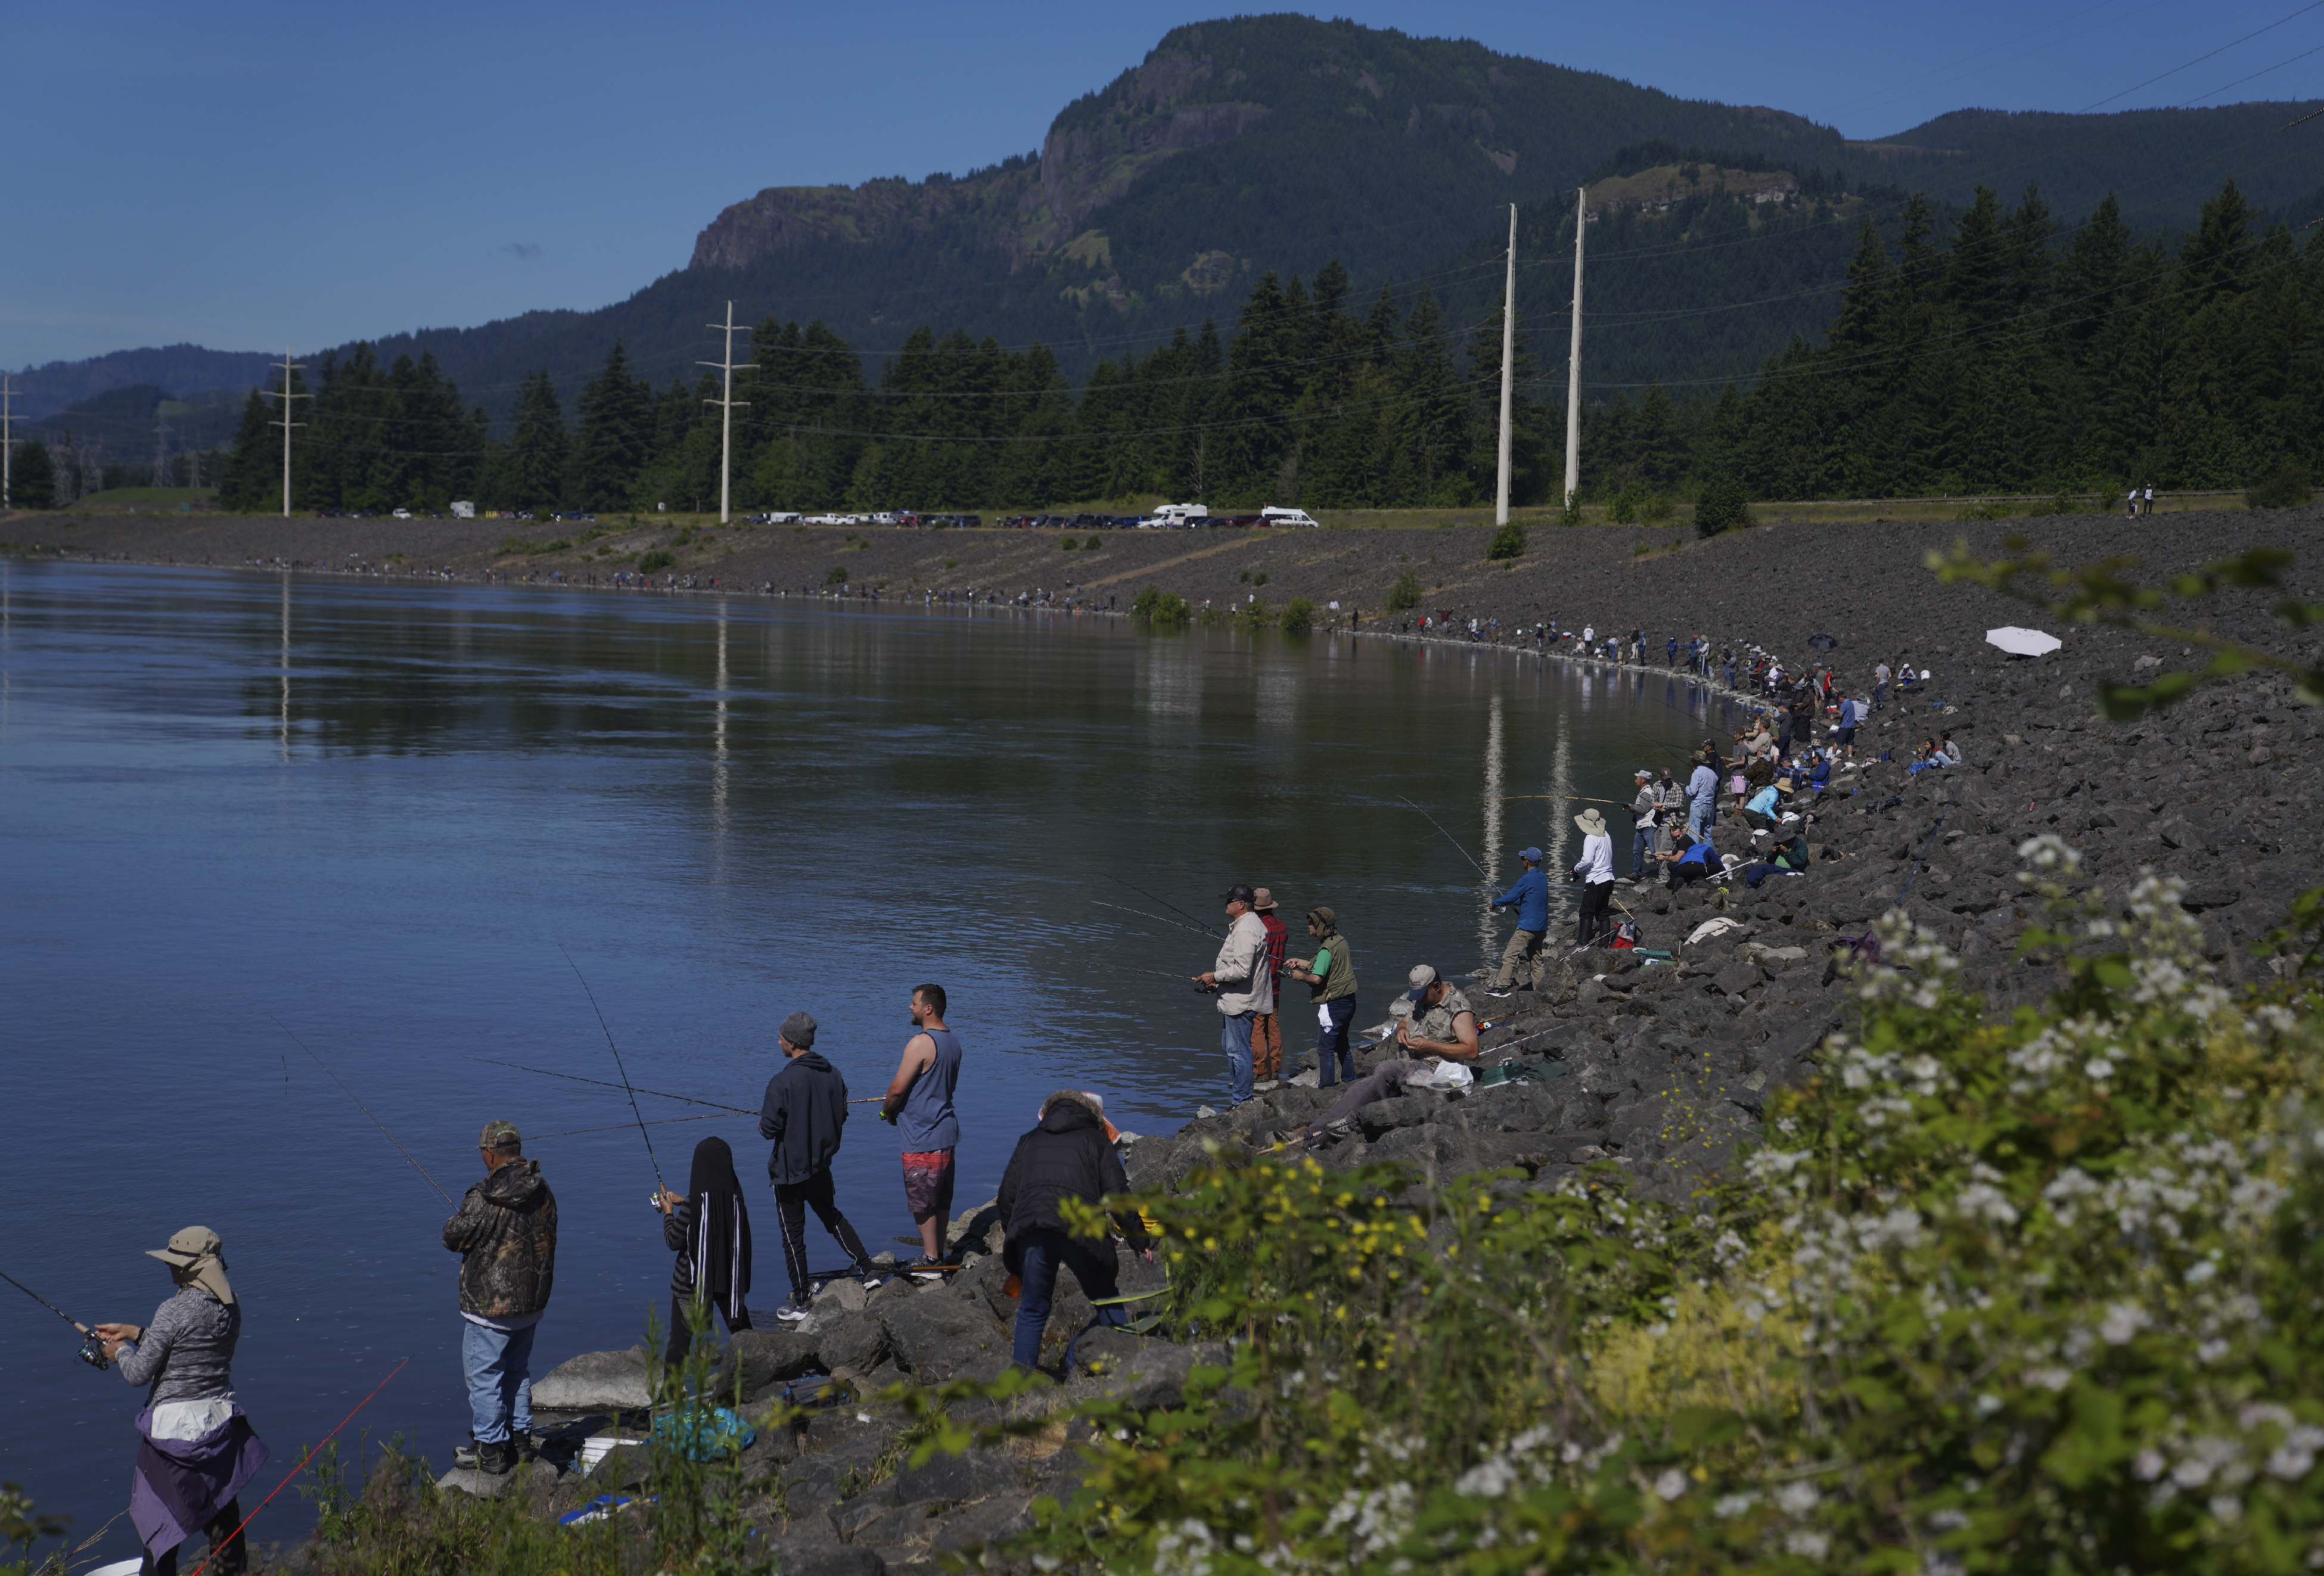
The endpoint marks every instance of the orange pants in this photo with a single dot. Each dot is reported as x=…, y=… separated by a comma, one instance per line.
x=1266, y=1047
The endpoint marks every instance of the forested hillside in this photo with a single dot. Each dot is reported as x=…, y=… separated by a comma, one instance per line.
x=1990, y=352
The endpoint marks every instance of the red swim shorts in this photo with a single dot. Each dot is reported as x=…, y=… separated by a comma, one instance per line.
x=927, y=1182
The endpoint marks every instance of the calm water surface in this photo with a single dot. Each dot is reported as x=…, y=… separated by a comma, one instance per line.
x=375, y=812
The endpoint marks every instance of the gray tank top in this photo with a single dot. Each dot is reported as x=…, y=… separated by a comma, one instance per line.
x=926, y=1122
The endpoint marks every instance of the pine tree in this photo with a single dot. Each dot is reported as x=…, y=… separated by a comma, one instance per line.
x=252, y=466
x=616, y=435
x=530, y=473
x=33, y=476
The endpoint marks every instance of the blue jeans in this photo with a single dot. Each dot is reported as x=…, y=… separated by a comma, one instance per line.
x=1333, y=1061
x=1043, y=1251
x=498, y=1364
x=1234, y=1039
x=1698, y=818
x=1642, y=844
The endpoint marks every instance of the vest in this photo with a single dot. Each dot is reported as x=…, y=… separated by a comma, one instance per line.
x=926, y=1122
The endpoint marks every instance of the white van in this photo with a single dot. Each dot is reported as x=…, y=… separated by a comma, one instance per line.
x=1181, y=513
x=1274, y=516
x=464, y=510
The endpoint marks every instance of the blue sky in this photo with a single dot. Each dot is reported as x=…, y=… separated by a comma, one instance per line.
x=248, y=175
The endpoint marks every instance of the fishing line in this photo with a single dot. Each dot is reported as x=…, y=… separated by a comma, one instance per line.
x=360, y=1106
x=45, y=1302
x=659, y=1185
x=226, y=1540
x=607, y=1083
x=618, y=1127
x=1141, y=891
x=1454, y=840
x=1158, y=919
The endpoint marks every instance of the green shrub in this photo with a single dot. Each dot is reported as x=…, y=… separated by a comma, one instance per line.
x=1091, y=544
x=1298, y=616
x=1990, y=509
x=2067, y=503
x=2288, y=488
x=1571, y=514
x=1162, y=607
x=1259, y=578
x=1256, y=612
x=1067, y=543
x=836, y=575
x=1723, y=506
x=1405, y=595
x=1656, y=509
x=655, y=562
x=1622, y=509
x=1509, y=542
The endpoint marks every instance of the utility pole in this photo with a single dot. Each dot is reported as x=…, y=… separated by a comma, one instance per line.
x=1509, y=371
x=725, y=403
x=286, y=424
x=7, y=439
x=1573, y=368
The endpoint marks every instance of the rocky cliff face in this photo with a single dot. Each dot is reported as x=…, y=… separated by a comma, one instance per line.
x=1024, y=209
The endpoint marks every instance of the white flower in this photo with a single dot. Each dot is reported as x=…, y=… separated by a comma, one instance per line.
x=1808, y=1545
x=1948, y=1520
x=2099, y=1069
x=2148, y=1465
x=1797, y=1498
x=1488, y=1479
x=1671, y=1484
x=1986, y=1405
x=1727, y=1506
x=2050, y=1378
x=1983, y=1199
x=2226, y=1507
x=2122, y=1321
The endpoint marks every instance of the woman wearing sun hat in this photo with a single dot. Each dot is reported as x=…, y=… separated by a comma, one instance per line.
x=199, y=1448
x=1596, y=871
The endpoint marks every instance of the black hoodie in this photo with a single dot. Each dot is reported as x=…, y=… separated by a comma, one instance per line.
x=1065, y=1156
x=805, y=1108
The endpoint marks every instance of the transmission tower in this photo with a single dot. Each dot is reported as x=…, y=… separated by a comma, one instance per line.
x=286, y=424
x=725, y=403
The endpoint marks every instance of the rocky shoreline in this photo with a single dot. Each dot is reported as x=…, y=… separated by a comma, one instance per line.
x=1662, y=1068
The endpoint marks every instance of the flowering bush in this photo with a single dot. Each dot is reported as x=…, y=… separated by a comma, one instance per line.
x=2027, y=1294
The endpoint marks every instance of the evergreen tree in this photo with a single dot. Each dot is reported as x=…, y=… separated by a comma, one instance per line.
x=33, y=476
x=530, y=472
x=616, y=436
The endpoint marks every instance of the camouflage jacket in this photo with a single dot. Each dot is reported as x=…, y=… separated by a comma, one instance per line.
x=506, y=1235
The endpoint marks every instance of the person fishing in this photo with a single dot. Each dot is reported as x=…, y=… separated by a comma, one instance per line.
x=803, y=1114
x=919, y=1106
x=198, y=1450
x=1066, y=1156
x=505, y=1234
x=708, y=1227
x=1530, y=898
x=1331, y=978
x=1244, y=983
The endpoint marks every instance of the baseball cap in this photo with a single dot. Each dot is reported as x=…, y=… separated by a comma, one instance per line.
x=1422, y=977
x=499, y=1135
x=1530, y=855
x=1238, y=893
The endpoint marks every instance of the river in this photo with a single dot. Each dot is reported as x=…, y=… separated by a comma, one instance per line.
x=377, y=816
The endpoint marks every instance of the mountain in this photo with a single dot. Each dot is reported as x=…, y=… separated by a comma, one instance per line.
x=1277, y=143
x=43, y=390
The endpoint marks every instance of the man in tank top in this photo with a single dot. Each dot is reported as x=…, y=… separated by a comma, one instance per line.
x=920, y=1107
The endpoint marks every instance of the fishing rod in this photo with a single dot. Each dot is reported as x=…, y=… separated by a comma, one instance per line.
x=1141, y=891
x=660, y=1187
x=1157, y=918
x=609, y=1083
x=360, y=1106
x=92, y=1350
x=1578, y=799
x=1454, y=840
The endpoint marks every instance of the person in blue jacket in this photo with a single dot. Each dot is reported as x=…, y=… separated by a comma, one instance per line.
x=1530, y=898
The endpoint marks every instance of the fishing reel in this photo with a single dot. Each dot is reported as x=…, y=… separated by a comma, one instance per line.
x=92, y=1352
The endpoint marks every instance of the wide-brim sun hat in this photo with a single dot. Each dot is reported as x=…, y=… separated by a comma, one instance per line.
x=1592, y=823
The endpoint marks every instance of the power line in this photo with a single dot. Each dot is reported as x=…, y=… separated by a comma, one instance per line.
x=2199, y=59
x=725, y=403
x=286, y=424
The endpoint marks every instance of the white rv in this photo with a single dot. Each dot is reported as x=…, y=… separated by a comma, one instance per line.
x=464, y=510
x=1181, y=513
x=1271, y=515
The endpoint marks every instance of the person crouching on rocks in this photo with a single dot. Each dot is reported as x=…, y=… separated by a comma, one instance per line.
x=506, y=1236
x=1442, y=1024
x=708, y=1227
x=199, y=1452
x=1067, y=1156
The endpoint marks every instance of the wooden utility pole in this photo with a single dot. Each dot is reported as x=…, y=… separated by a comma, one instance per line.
x=725, y=403
x=1509, y=371
x=1573, y=367
x=286, y=424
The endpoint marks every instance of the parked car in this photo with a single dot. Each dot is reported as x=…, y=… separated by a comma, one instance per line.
x=403, y=514
x=1271, y=515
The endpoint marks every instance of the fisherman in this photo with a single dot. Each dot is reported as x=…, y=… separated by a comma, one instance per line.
x=199, y=1452
x=1529, y=896
x=1331, y=978
x=1595, y=871
x=1239, y=977
x=1266, y=1027
x=1646, y=812
x=805, y=1108
x=505, y=1233
x=1442, y=1023
x=708, y=1227
x=920, y=1107
x=1701, y=793
x=1066, y=1156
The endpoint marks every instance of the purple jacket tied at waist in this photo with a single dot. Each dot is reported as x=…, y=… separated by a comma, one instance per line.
x=182, y=1483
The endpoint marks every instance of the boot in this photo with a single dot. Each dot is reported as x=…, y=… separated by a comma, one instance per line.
x=497, y=1460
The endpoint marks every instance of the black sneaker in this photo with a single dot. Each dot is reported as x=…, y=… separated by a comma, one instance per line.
x=791, y=1313
x=464, y=1457
x=924, y=1268
x=1500, y=993
x=496, y=1460
x=869, y=1276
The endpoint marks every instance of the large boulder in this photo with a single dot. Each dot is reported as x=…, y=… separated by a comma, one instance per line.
x=760, y=1358
x=854, y=1341
x=824, y=1557
x=935, y=1336
x=597, y=1382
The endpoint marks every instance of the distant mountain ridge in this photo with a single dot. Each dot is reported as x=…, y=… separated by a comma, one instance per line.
x=1274, y=142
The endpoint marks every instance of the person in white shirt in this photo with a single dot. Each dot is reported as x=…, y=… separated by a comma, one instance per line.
x=1596, y=869
x=1245, y=987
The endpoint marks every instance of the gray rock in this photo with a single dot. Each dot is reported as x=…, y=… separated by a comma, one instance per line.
x=595, y=1381
x=826, y=1557
x=854, y=1341
x=844, y=1294
x=998, y=1518
x=934, y=1337
x=760, y=1358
